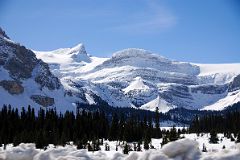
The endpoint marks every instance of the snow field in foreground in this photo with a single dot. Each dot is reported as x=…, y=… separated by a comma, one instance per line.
x=188, y=148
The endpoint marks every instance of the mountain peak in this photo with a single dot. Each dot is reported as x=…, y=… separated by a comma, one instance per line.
x=78, y=53
x=3, y=34
x=78, y=49
x=65, y=55
x=137, y=52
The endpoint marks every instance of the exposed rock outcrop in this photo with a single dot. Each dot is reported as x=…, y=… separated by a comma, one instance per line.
x=21, y=63
x=43, y=100
x=13, y=87
x=235, y=84
x=2, y=33
x=46, y=78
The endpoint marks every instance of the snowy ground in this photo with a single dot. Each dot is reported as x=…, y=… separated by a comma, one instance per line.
x=188, y=148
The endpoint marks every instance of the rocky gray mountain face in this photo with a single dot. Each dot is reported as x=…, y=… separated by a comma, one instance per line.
x=235, y=84
x=18, y=67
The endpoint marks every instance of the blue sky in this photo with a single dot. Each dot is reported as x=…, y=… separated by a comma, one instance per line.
x=203, y=31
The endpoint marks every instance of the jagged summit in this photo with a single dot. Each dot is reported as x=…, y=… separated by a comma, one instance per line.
x=77, y=54
x=78, y=49
x=3, y=34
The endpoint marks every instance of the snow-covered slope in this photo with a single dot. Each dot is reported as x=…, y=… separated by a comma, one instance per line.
x=139, y=78
x=162, y=105
x=137, y=84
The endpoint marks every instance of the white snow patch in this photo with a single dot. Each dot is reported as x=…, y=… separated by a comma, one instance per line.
x=231, y=98
x=89, y=99
x=210, y=69
x=137, y=84
x=4, y=74
x=162, y=105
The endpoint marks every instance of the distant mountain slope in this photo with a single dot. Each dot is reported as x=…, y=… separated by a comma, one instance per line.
x=138, y=78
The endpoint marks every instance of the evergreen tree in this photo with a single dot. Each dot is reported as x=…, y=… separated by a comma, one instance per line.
x=107, y=147
x=146, y=144
x=157, y=132
x=165, y=140
x=213, y=137
x=89, y=147
x=204, y=149
x=113, y=134
x=139, y=146
x=79, y=145
x=173, y=135
x=126, y=149
x=238, y=138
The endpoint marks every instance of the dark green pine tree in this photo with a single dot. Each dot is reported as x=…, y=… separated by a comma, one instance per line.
x=40, y=142
x=121, y=128
x=139, y=146
x=113, y=133
x=157, y=133
x=238, y=138
x=165, y=140
x=204, y=149
x=79, y=145
x=126, y=149
x=213, y=137
x=147, y=140
x=146, y=145
x=173, y=135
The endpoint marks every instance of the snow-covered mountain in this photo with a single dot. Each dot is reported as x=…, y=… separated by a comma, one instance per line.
x=139, y=78
x=130, y=78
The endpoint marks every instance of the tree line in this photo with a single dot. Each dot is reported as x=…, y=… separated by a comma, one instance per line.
x=47, y=126
x=227, y=123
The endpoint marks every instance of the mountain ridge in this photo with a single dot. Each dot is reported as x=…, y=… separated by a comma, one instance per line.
x=177, y=84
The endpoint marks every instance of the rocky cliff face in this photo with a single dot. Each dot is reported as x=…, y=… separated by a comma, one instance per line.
x=13, y=87
x=3, y=34
x=235, y=84
x=23, y=74
x=43, y=100
x=21, y=63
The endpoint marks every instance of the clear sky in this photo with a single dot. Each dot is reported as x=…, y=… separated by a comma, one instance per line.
x=203, y=31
